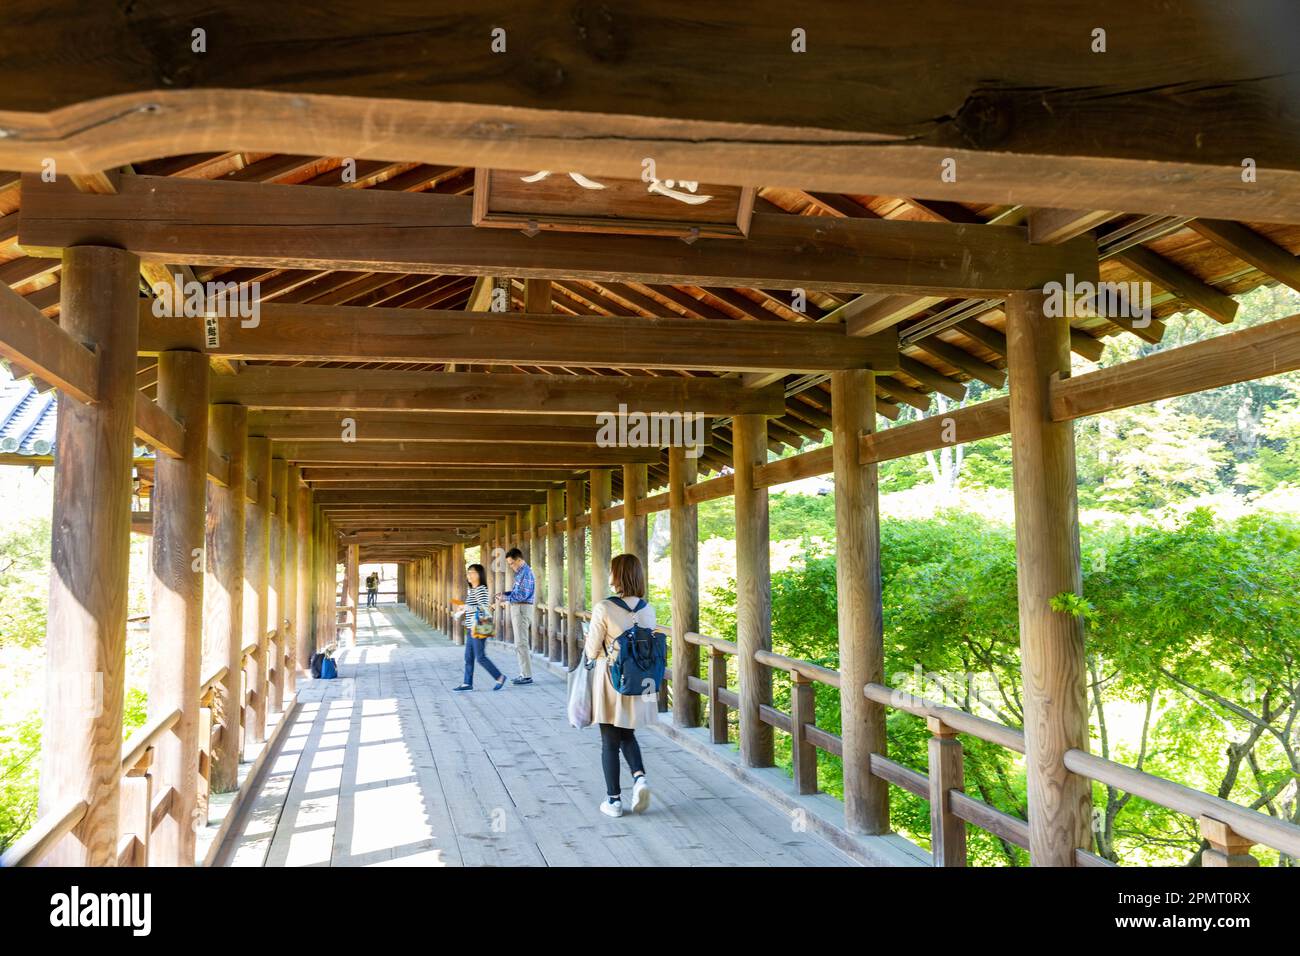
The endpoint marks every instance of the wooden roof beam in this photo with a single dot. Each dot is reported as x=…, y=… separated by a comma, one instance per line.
x=368, y=230
x=1249, y=246
x=341, y=333
x=360, y=389
x=1187, y=287
x=485, y=454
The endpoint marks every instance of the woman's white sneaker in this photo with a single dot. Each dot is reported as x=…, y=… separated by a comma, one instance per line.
x=611, y=809
x=640, y=794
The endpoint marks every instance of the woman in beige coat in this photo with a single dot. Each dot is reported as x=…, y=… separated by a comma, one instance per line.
x=618, y=715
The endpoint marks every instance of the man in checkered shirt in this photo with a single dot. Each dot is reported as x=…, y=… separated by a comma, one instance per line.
x=520, y=601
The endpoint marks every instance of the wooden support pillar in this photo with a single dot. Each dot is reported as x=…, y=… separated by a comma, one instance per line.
x=458, y=589
x=305, y=566
x=502, y=575
x=352, y=589
x=401, y=583
x=554, y=572
x=636, y=536
x=576, y=558
x=223, y=588
x=448, y=574
x=858, y=593
x=289, y=640
x=753, y=589
x=321, y=564
x=685, y=585
x=257, y=548
x=275, y=583
x=176, y=611
x=601, y=536
x=537, y=558
x=329, y=581
x=85, y=640
x=1047, y=564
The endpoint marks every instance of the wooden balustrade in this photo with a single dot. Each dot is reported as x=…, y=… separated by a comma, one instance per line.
x=1229, y=829
x=141, y=810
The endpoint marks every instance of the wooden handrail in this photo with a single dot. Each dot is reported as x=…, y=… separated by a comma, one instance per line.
x=215, y=677
x=792, y=665
x=32, y=846
x=51, y=827
x=144, y=738
x=1251, y=824
x=960, y=720
x=717, y=643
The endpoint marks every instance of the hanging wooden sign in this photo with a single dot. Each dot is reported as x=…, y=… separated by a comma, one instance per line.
x=569, y=201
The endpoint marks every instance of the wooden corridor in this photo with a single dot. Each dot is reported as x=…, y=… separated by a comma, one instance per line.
x=386, y=766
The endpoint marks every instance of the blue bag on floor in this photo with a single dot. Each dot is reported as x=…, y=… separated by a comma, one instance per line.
x=328, y=669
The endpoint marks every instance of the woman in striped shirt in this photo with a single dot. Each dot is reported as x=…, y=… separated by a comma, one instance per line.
x=477, y=608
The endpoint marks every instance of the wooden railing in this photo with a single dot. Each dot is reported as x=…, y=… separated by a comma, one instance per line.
x=141, y=810
x=1230, y=829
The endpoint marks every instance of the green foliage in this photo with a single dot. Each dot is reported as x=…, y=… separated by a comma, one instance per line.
x=20, y=746
x=24, y=582
x=1201, y=618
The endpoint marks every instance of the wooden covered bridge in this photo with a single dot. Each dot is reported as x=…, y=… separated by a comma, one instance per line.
x=378, y=315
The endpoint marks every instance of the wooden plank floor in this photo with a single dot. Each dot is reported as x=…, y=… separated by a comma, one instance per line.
x=387, y=766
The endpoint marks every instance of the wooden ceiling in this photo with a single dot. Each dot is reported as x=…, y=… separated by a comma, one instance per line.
x=945, y=343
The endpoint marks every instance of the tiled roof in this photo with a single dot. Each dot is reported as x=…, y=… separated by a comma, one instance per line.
x=26, y=419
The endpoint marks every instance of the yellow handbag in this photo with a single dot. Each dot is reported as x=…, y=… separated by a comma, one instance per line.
x=483, y=627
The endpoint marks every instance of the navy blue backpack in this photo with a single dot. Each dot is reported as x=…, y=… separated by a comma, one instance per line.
x=641, y=658
x=328, y=669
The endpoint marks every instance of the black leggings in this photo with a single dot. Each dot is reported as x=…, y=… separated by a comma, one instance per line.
x=612, y=740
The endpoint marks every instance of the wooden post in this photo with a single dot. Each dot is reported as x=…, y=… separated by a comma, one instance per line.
x=204, y=790
x=289, y=651
x=947, y=773
x=136, y=813
x=306, y=558
x=860, y=616
x=685, y=585
x=753, y=589
x=85, y=639
x=275, y=593
x=803, y=753
x=576, y=559
x=257, y=547
x=554, y=571
x=717, y=709
x=458, y=588
x=448, y=588
x=401, y=583
x=537, y=558
x=636, y=537
x=505, y=578
x=223, y=586
x=1047, y=564
x=176, y=612
x=352, y=589
x=602, y=540
x=322, y=566
x=1227, y=847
